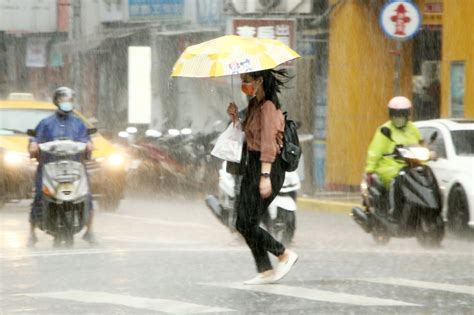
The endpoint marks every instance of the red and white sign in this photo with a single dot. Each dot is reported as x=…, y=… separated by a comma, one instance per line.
x=283, y=30
x=400, y=20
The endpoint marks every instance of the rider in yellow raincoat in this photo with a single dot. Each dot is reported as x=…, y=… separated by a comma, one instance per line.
x=403, y=132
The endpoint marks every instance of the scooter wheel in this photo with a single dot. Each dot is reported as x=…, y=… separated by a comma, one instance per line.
x=380, y=235
x=57, y=241
x=69, y=242
x=381, y=239
x=430, y=233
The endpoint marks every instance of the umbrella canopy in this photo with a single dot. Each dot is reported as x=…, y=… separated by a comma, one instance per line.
x=231, y=54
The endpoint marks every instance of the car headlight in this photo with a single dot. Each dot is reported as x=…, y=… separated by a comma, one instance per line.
x=15, y=158
x=115, y=159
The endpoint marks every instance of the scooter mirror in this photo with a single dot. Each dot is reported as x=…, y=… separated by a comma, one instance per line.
x=433, y=137
x=152, y=133
x=186, y=131
x=131, y=130
x=123, y=134
x=174, y=132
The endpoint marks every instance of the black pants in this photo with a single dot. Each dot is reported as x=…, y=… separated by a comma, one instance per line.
x=251, y=208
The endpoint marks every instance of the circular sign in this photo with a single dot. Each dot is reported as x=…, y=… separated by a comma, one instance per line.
x=400, y=20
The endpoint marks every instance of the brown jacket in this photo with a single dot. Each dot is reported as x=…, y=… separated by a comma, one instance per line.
x=264, y=128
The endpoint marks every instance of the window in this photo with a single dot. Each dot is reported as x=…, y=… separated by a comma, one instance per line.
x=457, y=89
x=463, y=141
x=11, y=124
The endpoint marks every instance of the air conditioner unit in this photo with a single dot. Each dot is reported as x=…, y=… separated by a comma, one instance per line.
x=273, y=6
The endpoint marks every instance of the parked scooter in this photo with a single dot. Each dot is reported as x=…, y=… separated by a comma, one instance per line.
x=65, y=189
x=178, y=161
x=279, y=220
x=420, y=215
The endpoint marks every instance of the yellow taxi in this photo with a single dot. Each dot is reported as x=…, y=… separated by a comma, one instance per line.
x=107, y=167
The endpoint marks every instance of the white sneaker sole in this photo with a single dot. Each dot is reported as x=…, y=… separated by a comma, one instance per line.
x=283, y=269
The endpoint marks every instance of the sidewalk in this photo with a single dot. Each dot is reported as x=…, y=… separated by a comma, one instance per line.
x=340, y=202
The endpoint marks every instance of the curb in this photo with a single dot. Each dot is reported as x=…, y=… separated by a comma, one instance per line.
x=325, y=205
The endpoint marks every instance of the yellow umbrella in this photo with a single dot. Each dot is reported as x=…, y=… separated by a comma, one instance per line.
x=231, y=54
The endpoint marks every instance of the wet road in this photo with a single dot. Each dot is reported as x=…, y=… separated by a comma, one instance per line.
x=173, y=257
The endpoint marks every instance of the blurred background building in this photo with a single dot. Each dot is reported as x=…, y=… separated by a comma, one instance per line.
x=342, y=82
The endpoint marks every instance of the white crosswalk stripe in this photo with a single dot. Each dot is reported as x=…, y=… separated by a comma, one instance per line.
x=160, y=305
x=315, y=294
x=422, y=284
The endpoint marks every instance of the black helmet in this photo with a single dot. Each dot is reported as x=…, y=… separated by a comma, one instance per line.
x=63, y=91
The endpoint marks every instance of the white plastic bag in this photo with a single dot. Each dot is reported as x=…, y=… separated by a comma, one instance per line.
x=229, y=144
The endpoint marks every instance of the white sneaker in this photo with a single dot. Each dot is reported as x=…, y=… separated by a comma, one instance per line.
x=259, y=279
x=284, y=267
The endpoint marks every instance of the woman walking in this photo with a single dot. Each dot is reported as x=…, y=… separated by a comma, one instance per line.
x=263, y=174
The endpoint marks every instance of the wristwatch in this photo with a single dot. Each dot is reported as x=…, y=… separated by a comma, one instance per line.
x=266, y=175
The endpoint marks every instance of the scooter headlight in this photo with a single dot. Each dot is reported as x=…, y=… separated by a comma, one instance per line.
x=420, y=153
x=115, y=159
x=14, y=158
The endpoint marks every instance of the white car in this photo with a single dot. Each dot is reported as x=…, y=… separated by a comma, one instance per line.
x=454, y=167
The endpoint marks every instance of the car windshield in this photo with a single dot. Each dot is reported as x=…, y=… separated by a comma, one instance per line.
x=463, y=141
x=18, y=121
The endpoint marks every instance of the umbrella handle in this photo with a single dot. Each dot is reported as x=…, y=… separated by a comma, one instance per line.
x=232, y=87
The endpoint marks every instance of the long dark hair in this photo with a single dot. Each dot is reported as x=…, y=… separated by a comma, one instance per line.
x=273, y=81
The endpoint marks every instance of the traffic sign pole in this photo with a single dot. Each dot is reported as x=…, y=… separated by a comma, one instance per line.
x=398, y=66
x=400, y=20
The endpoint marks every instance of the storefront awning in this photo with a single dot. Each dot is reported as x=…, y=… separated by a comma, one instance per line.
x=85, y=44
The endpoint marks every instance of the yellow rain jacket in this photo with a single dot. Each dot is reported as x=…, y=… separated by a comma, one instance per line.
x=388, y=167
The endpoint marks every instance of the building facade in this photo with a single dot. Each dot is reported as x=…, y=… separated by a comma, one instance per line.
x=436, y=72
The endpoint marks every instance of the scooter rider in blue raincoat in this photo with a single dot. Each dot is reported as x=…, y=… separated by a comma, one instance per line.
x=62, y=124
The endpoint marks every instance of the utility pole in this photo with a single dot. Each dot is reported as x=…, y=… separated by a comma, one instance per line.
x=75, y=35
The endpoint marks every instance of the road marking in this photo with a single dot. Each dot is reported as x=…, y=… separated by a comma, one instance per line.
x=160, y=305
x=157, y=221
x=422, y=284
x=315, y=294
x=135, y=240
x=8, y=255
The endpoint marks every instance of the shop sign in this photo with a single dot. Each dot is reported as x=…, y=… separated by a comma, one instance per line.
x=283, y=30
x=155, y=9
x=400, y=20
x=209, y=11
x=28, y=16
x=112, y=10
x=433, y=13
x=36, y=52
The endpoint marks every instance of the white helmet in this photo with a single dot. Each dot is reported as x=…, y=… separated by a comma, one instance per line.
x=399, y=102
x=399, y=109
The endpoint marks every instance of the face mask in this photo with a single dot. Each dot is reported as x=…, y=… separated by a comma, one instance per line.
x=399, y=122
x=66, y=107
x=249, y=89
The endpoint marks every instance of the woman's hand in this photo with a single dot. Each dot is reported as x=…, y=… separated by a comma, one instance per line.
x=265, y=187
x=233, y=112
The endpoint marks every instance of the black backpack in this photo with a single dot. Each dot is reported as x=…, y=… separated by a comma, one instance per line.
x=291, y=151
